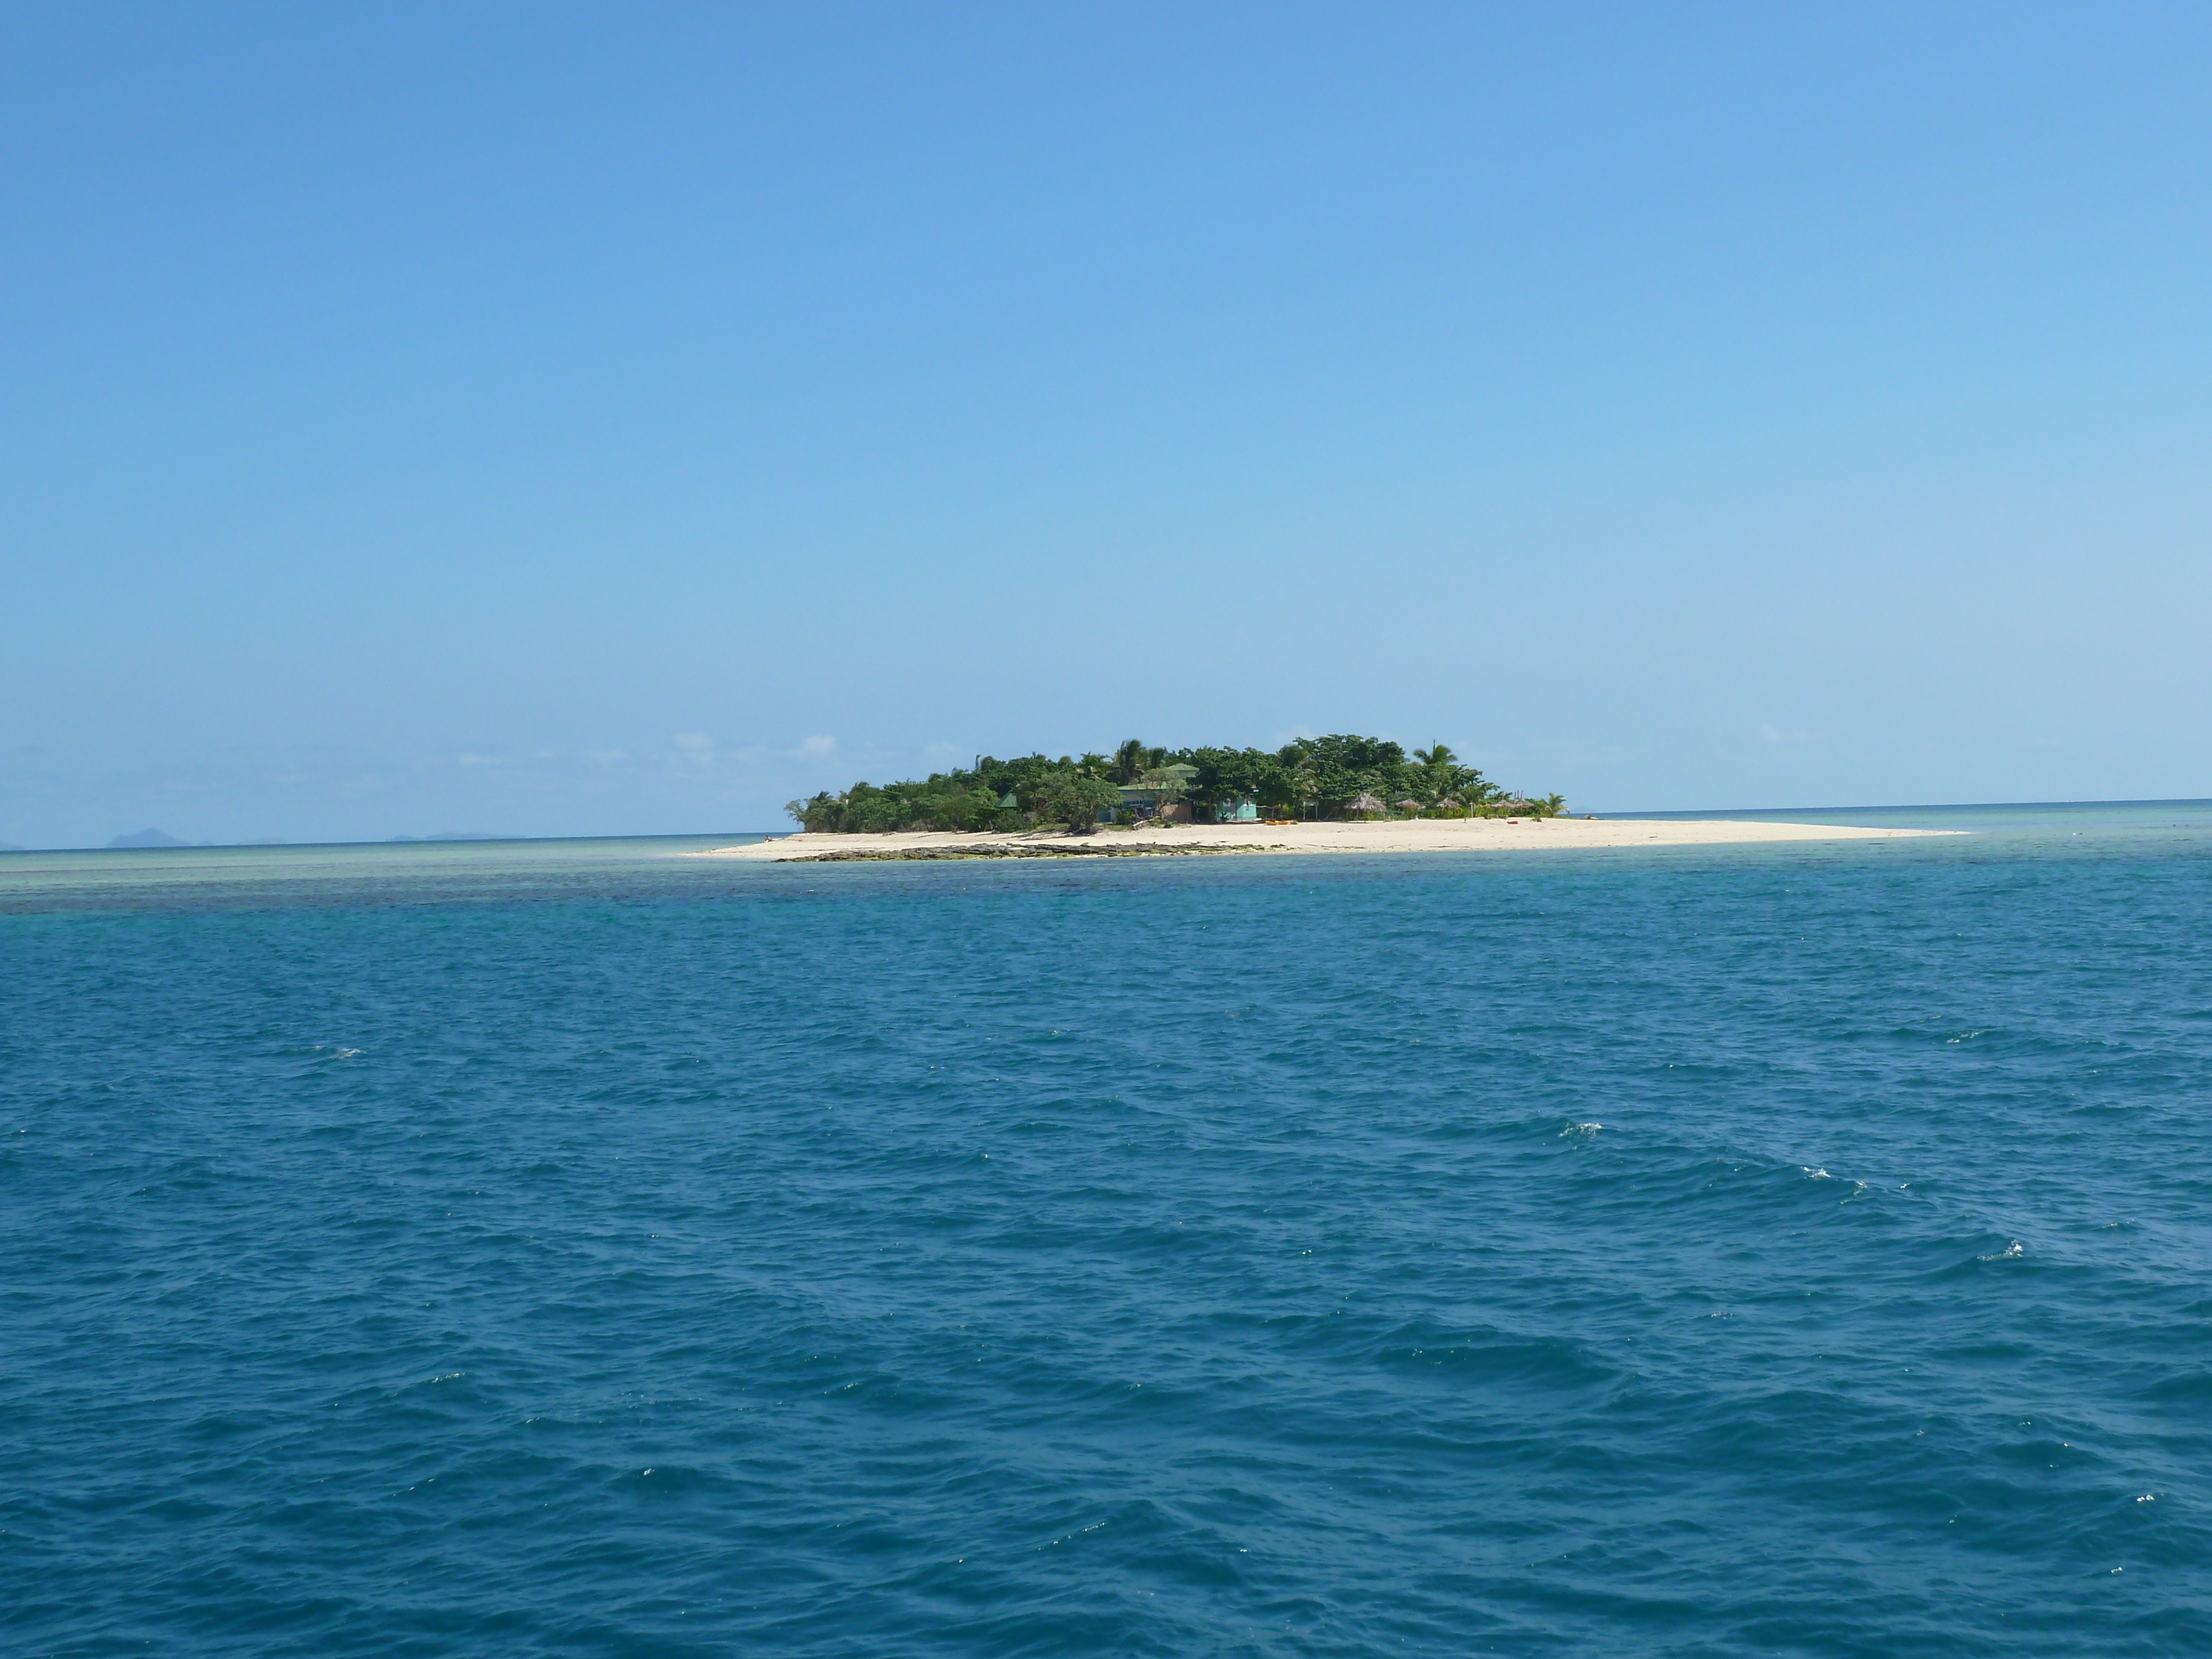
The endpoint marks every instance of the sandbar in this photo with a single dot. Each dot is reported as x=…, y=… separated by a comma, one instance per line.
x=1406, y=835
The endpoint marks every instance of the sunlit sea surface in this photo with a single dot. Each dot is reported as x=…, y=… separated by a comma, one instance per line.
x=570, y=1247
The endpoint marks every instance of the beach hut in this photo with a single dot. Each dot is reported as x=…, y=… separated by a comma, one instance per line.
x=1363, y=804
x=1409, y=804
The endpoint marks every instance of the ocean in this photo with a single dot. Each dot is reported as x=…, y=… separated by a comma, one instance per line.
x=567, y=1248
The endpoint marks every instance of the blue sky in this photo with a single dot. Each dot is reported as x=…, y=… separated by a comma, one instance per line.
x=571, y=420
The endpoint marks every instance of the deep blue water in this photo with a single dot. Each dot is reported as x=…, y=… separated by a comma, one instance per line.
x=582, y=1250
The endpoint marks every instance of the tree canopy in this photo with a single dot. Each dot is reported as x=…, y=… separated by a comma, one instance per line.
x=1309, y=777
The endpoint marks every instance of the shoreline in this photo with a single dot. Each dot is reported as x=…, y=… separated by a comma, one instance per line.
x=1411, y=835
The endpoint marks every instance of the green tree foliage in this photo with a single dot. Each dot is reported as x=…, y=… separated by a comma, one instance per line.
x=946, y=801
x=1071, y=799
x=1225, y=777
x=1306, y=777
x=1441, y=777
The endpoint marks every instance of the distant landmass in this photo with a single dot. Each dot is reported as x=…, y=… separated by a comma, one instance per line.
x=456, y=835
x=148, y=838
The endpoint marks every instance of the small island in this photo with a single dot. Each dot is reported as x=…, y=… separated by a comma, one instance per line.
x=1331, y=794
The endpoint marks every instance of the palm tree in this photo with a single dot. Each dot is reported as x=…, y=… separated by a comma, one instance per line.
x=1130, y=761
x=1441, y=765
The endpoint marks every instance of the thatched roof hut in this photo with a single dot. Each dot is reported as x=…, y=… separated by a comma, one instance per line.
x=1364, y=803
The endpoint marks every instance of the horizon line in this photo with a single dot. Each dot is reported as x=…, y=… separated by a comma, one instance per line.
x=470, y=839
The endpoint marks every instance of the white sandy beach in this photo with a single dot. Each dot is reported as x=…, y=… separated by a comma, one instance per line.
x=1416, y=836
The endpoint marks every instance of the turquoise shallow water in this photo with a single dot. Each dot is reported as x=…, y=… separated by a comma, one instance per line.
x=571, y=1249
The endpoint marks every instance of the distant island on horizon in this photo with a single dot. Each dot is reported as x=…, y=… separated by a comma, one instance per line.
x=146, y=838
x=1338, y=777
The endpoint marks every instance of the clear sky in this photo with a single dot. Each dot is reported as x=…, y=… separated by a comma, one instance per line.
x=567, y=420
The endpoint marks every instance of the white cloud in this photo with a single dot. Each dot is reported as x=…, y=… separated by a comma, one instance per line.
x=818, y=745
x=1776, y=734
